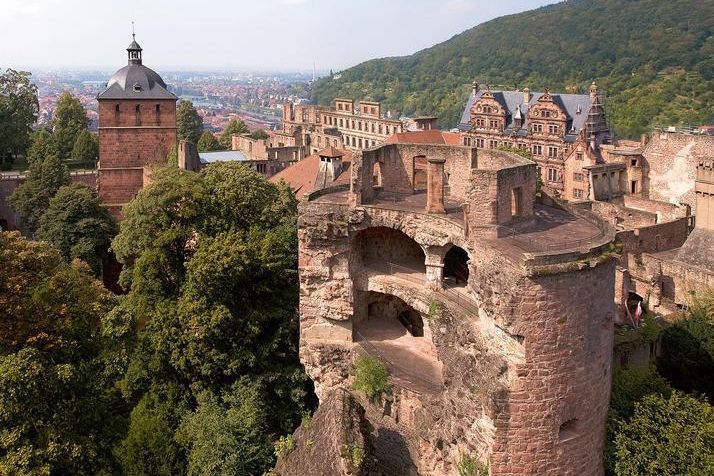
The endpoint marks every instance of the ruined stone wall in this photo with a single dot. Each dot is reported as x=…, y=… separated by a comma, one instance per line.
x=654, y=238
x=670, y=162
x=383, y=245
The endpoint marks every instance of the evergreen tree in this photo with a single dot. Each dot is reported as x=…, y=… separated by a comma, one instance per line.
x=208, y=142
x=188, y=123
x=86, y=148
x=32, y=197
x=41, y=146
x=69, y=120
x=236, y=127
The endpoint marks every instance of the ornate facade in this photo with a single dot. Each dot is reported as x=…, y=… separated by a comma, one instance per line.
x=546, y=124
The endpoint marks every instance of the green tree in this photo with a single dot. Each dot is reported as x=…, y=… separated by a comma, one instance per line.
x=41, y=146
x=149, y=447
x=371, y=377
x=188, y=123
x=32, y=198
x=210, y=263
x=208, y=142
x=687, y=358
x=57, y=412
x=236, y=127
x=18, y=112
x=78, y=225
x=667, y=436
x=86, y=148
x=226, y=436
x=69, y=120
x=260, y=134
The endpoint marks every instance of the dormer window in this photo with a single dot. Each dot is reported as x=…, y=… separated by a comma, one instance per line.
x=137, y=88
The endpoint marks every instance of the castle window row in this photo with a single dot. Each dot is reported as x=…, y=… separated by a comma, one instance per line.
x=137, y=114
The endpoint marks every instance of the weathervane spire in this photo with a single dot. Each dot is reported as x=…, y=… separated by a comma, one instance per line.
x=133, y=33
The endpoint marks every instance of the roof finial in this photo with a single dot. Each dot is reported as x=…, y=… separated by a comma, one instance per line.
x=133, y=34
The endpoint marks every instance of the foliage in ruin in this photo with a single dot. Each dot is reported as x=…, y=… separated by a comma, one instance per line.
x=371, y=377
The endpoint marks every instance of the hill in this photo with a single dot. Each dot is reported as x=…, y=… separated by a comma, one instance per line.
x=654, y=58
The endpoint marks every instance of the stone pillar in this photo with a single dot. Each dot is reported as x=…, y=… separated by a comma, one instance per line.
x=435, y=186
x=434, y=270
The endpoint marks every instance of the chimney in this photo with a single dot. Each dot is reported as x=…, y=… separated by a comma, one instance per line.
x=474, y=88
x=644, y=139
x=526, y=95
x=593, y=91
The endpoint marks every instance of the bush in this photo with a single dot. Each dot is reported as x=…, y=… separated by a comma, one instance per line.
x=667, y=436
x=371, y=377
x=687, y=358
x=470, y=466
x=284, y=446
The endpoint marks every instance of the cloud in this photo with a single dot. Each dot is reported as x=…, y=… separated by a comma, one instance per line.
x=294, y=2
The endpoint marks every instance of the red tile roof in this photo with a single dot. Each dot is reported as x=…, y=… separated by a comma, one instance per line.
x=301, y=175
x=424, y=137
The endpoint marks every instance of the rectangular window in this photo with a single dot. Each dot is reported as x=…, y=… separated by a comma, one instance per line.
x=577, y=193
x=553, y=129
x=479, y=143
x=537, y=149
x=537, y=127
x=579, y=156
x=578, y=177
x=493, y=144
x=552, y=174
x=552, y=152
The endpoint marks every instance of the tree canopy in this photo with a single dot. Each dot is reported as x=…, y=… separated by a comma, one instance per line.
x=32, y=197
x=234, y=127
x=18, y=111
x=41, y=146
x=189, y=124
x=654, y=59
x=56, y=408
x=667, y=436
x=208, y=142
x=210, y=264
x=78, y=226
x=68, y=122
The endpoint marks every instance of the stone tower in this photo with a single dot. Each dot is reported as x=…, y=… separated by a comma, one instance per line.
x=704, y=189
x=137, y=128
x=496, y=327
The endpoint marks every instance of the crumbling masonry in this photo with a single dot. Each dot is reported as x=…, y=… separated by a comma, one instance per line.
x=494, y=313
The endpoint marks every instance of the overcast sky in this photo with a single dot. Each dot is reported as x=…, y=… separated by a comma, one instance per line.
x=231, y=34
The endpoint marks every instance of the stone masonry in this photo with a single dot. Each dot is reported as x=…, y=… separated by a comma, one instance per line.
x=523, y=346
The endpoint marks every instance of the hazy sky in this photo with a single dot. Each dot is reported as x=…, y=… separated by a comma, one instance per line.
x=230, y=34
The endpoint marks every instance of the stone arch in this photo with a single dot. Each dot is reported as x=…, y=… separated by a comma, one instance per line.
x=388, y=328
x=381, y=245
x=456, y=266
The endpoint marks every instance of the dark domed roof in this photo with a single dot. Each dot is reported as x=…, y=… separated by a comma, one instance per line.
x=136, y=81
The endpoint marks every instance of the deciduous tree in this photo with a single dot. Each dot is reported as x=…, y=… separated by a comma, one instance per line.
x=86, y=148
x=78, y=225
x=18, y=112
x=32, y=197
x=208, y=142
x=234, y=127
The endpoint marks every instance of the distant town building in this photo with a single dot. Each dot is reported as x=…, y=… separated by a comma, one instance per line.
x=340, y=125
x=547, y=124
x=137, y=128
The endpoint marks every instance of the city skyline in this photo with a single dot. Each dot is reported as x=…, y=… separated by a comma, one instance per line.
x=272, y=35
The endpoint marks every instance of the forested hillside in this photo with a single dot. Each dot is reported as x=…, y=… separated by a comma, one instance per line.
x=654, y=58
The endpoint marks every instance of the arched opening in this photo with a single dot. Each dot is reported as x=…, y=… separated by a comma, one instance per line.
x=389, y=329
x=380, y=247
x=3, y=225
x=456, y=267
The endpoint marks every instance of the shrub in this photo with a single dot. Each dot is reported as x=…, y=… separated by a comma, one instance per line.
x=371, y=377
x=284, y=446
x=470, y=466
x=668, y=436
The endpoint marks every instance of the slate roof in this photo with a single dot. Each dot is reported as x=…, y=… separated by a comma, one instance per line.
x=136, y=81
x=510, y=100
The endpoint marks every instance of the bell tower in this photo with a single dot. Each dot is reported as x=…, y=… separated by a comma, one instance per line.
x=137, y=129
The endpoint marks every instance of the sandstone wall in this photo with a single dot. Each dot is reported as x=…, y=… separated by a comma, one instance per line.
x=670, y=162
